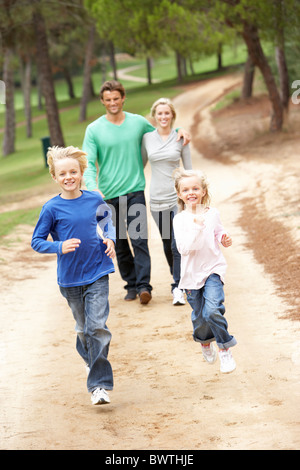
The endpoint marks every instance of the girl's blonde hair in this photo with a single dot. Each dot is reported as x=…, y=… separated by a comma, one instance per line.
x=180, y=173
x=163, y=101
x=58, y=153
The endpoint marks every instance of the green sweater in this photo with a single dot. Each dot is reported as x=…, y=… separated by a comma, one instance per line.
x=116, y=151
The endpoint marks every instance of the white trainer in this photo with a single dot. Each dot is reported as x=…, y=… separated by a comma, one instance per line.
x=227, y=363
x=178, y=297
x=100, y=397
x=209, y=353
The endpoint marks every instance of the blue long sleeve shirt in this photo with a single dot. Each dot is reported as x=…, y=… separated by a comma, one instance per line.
x=76, y=218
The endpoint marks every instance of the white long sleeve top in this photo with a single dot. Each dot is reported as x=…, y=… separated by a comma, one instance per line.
x=199, y=247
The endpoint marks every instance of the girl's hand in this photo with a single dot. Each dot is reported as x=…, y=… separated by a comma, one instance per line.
x=199, y=219
x=226, y=240
x=110, y=250
x=70, y=245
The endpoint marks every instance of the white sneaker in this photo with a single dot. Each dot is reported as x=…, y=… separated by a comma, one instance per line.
x=227, y=363
x=209, y=352
x=178, y=297
x=100, y=397
x=87, y=369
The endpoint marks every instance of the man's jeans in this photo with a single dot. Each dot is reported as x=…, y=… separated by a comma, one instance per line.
x=130, y=217
x=90, y=308
x=164, y=222
x=208, y=318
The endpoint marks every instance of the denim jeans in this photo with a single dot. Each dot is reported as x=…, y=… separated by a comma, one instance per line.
x=90, y=308
x=130, y=218
x=164, y=222
x=208, y=318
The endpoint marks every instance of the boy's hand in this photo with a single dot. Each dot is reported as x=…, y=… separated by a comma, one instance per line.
x=70, y=245
x=226, y=240
x=110, y=250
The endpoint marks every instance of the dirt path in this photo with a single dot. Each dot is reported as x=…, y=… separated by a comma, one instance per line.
x=165, y=396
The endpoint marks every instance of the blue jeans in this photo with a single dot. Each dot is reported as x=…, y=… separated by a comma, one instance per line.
x=208, y=318
x=90, y=308
x=164, y=222
x=130, y=218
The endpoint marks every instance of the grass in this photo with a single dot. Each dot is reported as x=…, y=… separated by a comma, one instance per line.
x=24, y=173
x=9, y=220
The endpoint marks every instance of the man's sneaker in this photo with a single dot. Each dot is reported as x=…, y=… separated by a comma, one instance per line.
x=87, y=368
x=178, y=297
x=227, y=363
x=100, y=397
x=209, y=353
x=145, y=297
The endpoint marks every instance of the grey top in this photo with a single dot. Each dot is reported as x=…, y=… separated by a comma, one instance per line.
x=164, y=157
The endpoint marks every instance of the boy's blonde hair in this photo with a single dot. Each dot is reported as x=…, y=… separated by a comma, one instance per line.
x=163, y=101
x=180, y=173
x=58, y=153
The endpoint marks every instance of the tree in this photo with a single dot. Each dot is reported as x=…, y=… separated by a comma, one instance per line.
x=47, y=82
x=8, y=78
x=138, y=37
x=244, y=16
x=86, y=93
x=9, y=14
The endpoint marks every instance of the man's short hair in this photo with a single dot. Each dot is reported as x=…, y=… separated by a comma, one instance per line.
x=112, y=85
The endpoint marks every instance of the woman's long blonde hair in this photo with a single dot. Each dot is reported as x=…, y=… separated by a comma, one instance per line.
x=180, y=173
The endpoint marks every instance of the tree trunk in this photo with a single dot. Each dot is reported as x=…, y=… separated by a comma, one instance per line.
x=191, y=66
x=149, y=66
x=26, y=85
x=179, y=68
x=47, y=82
x=280, y=56
x=248, y=79
x=113, y=59
x=103, y=63
x=184, y=66
x=39, y=92
x=256, y=53
x=8, y=78
x=219, y=57
x=92, y=90
x=69, y=82
x=86, y=92
x=283, y=77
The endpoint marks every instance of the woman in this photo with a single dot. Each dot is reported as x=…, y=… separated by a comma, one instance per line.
x=164, y=152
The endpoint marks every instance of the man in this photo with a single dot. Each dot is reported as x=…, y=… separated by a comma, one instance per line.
x=113, y=143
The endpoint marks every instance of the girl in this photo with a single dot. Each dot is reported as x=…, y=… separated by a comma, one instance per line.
x=198, y=233
x=164, y=152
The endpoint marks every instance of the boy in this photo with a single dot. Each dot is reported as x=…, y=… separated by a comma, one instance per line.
x=83, y=261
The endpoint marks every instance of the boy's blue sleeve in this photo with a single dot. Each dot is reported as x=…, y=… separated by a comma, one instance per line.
x=41, y=232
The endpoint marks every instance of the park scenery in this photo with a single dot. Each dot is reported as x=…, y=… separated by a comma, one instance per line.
x=231, y=69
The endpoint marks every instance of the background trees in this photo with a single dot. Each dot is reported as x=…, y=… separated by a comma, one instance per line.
x=45, y=38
